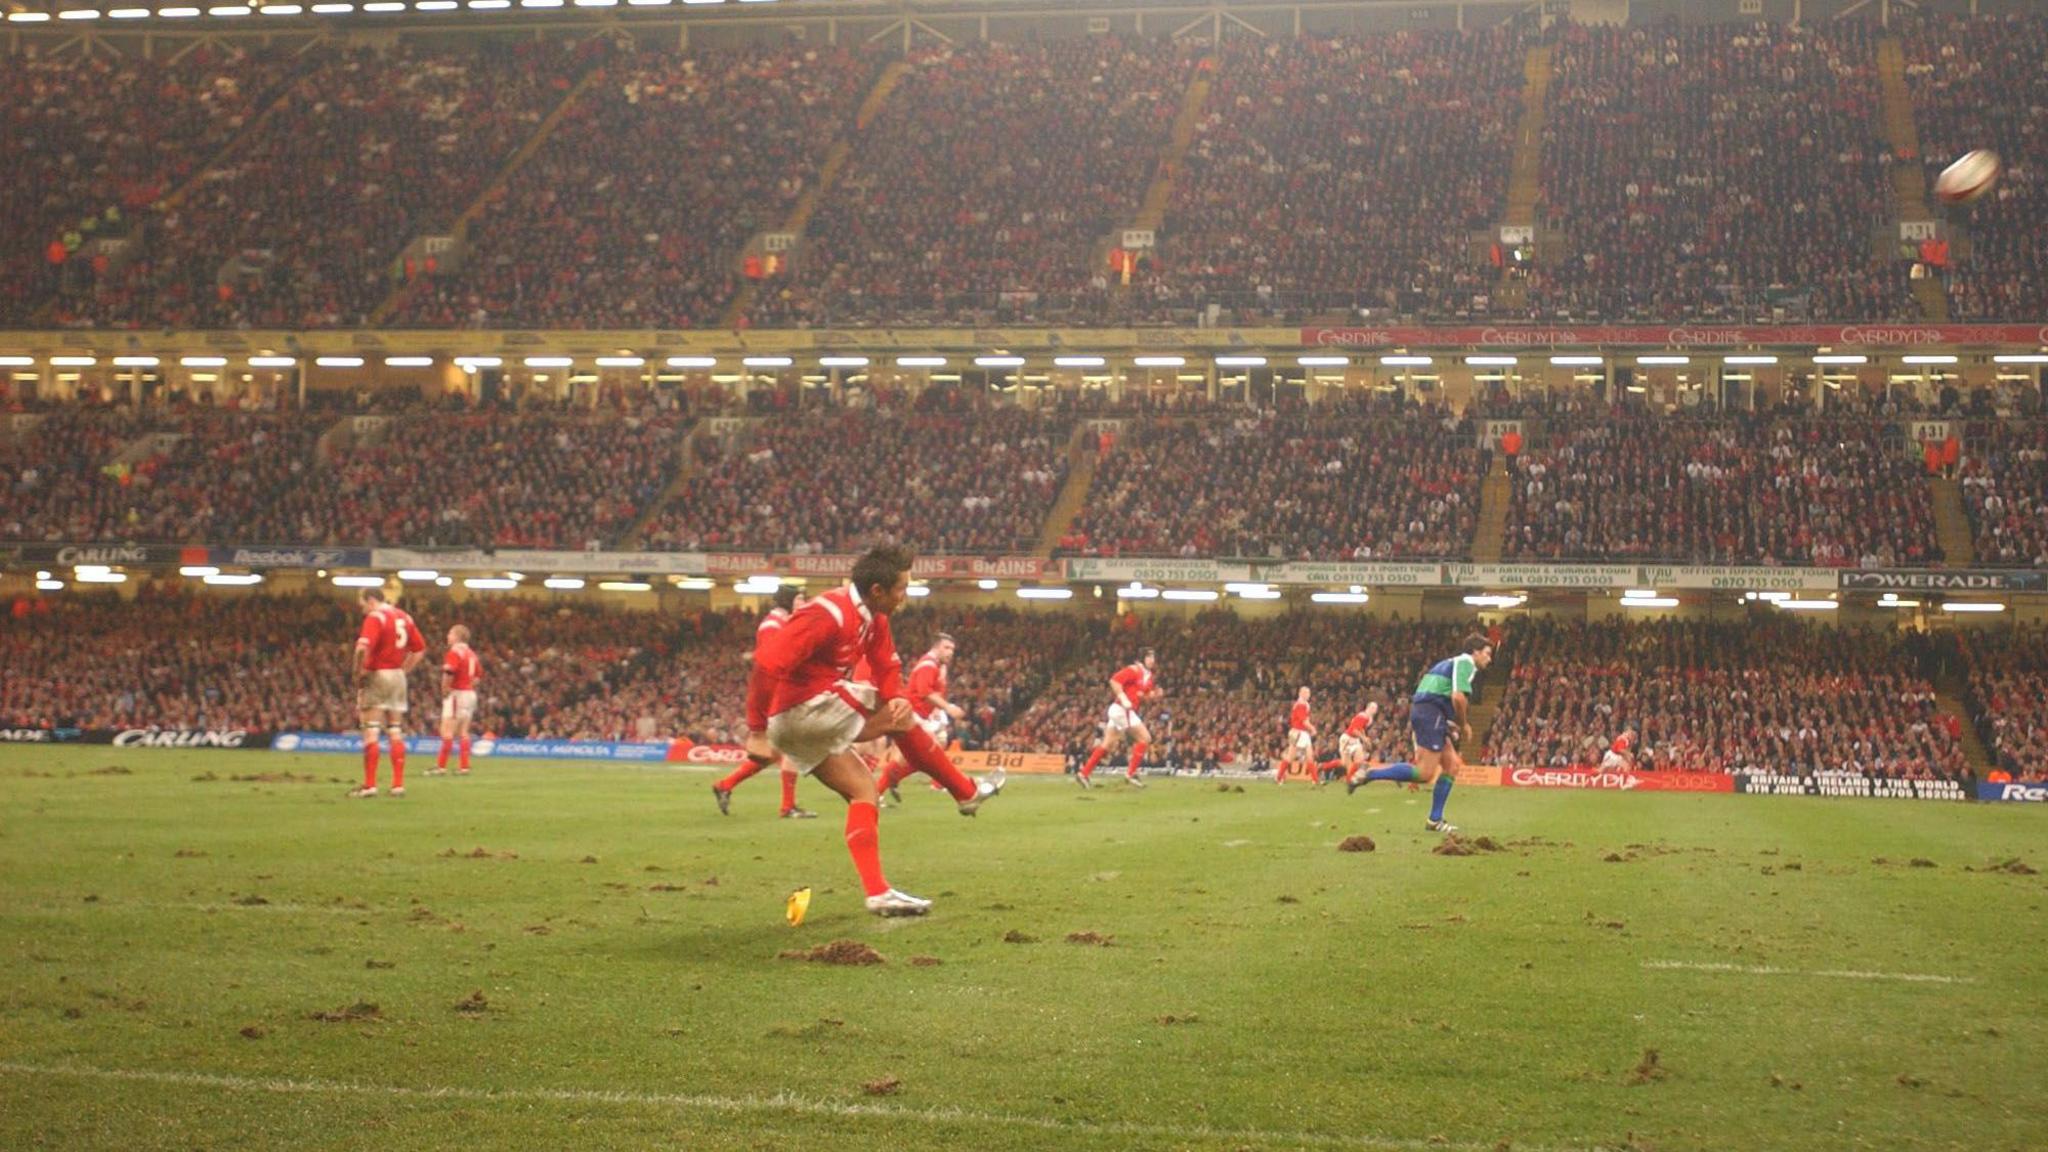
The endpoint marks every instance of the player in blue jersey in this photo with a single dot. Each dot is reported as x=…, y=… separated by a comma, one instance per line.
x=1437, y=715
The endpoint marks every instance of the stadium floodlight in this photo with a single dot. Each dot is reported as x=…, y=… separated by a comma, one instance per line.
x=998, y=361
x=1577, y=361
x=1160, y=361
x=1045, y=593
x=987, y=585
x=548, y=362
x=445, y=582
x=696, y=583
x=418, y=575
x=649, y=3
x=357, y=581
x=136, y=361
x=1973, y=606
x=540, y=3
x=490, y=583
x=280, y=10
x=483, y=4
x=332, y=9
x=1136, y=591
x=1929, y=359
x=621, y=361
x=273, y=361
x=597, y=3
x=435, y=5
x=49, y=585
x=1406, y=361
x=229, y=10
x=100, y=577
x=408, y=361
x=1495, y=600
x=1240, y=587
x=79, y=14
x=693, y=362
x=1079, y=361
x=1841, y=358
x=234, y=579
x=622, y=585
x=918, y=591
x=1492, y=361
x=1259, y=594
x=2017, y=358
x=1809, y=605
x=1891, y=600
x=30, y=18
x=563, y=583
x=758, y=586
x=128, y=14
x=920, y=361
x=195, y=571
x=1662, y=361
x=766, y=361
x=338, y=361
x=177, y=13
x=17, y=361
x=1339, y=598
x=1768, y=597
x=478, y=362
x=1240, y=361
x=842, y=361
x=1749, y=360
x=73, y=361
x=1649, y=601
x=1323, y=361
x=703, y=1
x=1192, y=595
x=202, y=361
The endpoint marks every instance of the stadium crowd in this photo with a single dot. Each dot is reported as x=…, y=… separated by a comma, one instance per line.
x=2005, y=674
x=56, y=475
x=1361, y=484
x=611, y=225
x=978, y=481
x=2004, y=480
x=1803, y=492
x=301, y=226
x=1717, y=172
x=987, y=185
x=1348, y=172
x=96, y=139
x=1978, y=83
x=1763, y=694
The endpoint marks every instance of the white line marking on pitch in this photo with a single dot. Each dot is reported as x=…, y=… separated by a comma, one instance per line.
x=161, y=906
x=781, y=1102
x=1826, y=973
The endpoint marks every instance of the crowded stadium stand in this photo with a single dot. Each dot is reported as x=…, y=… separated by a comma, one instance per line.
x=2004, y=480
x=2006, y=674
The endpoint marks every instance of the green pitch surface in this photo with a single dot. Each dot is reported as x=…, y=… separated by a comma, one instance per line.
x=568, y=956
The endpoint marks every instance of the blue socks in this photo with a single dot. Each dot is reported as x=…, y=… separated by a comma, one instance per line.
x=1442, y=793
x=1400, y=773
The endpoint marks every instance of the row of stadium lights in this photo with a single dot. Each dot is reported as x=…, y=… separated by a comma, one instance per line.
x=340, y=8
x=1136, y=590
x=472, y=363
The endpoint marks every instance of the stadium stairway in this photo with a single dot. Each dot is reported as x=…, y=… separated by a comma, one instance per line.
x=1494, y=499
x=1151, y=212
x=1952, y=523
x=1909, y=178
x=1081, y=458
x=686, y=470
x=1525, y=174
x=836, y=157
x=1948, y=700
x=395, y=302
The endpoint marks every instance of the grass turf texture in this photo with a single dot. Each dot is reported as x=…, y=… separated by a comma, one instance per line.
x=1259, y=989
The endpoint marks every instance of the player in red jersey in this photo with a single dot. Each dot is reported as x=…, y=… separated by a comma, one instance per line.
x=389, y=647
x=802, y=703
x=460, y=670
x=935, y=714
x=1129, y=687
x=788, y=601
x=1351, y=746
x=1301, y=741
x=1619, y=756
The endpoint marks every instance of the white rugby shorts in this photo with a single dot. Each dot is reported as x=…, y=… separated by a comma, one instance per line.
x=459, y=704
x=1350, y=748
x=1122, y=719
x=822, y=726
x=385, y=689
x=1300, y=740
x=938, y=725
x=1613, y=761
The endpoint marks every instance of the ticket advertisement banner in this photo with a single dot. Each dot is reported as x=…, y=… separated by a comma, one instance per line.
x=1023, y=763
x=1510, y=336
x=1847, y=784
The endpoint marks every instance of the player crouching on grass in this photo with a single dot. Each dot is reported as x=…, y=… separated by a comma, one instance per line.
x=1438, y=715
x=802, y=702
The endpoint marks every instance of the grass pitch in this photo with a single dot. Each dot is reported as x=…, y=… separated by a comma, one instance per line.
x=568, y=956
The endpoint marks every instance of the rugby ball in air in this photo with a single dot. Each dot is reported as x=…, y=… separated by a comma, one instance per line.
x=1969, y=177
